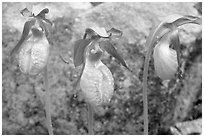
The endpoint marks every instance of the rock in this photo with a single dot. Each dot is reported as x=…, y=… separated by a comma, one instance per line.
x=193, y=127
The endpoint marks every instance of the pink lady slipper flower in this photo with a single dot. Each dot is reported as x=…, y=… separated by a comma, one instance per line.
x=33, y=55
x=165, y=58
x=33, y=48
x=32, y=52
x=96, y=80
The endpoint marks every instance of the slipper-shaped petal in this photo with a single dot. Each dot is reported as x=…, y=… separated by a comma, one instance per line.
x=165, y=59
x=34, y=53
x=96, y=82
x=98, y=31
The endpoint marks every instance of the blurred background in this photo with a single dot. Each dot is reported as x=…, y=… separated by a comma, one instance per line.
x=175, y=106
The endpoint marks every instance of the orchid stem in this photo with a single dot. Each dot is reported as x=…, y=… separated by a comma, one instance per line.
x=47, y=103
x=90, y=119
x=145, y=98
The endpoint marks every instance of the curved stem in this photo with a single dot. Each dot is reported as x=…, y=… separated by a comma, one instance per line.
x=145, y=99
x=90, y=119
x=149, y=44
x=47, y=103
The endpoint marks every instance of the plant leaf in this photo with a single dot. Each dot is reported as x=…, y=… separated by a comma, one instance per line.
x=26, y=30
x=174, y=38
x=26, y=13
x=90, y=31
x=97, y=31
x=176, y=42
x=178, y=20
x=43, y=12
x=168, y=23
x=47, y=21
x=79, y=51
x=46, y=27
x=188, y=19
x=115, y=32
x=41, y=15
x=107, y=46
x=155, y=35
x=78, y=79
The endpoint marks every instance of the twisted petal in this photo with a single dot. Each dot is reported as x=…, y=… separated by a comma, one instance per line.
x=97, y=83
x=165, y=60
x=97, y=31
x=33, y=55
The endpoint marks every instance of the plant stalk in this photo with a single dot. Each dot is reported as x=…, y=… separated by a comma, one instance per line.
x=150, y=45
x=90, y=119
x=47, y=103
x=145, y=98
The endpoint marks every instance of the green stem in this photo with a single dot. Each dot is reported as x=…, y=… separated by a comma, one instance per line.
x=47, y=103
x=90, y=119
x=149, y=45
x=145, y=99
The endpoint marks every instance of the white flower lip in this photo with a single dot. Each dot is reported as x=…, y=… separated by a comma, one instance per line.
x=34, y=54
x=97, y=83
x=165, y=59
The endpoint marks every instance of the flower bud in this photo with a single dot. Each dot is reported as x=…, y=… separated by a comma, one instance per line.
x=165, y=58
x=96, y=82
x=33, y=55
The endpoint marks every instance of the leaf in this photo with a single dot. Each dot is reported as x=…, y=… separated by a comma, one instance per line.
x=90, y=32
x=174, y=38
x=115, y=32
x=171, y=18
x=156, y=34
x=26, y=30
x=107, y=46
x=46, y=27
x=47, y=21
x=43, y=12
x=41, y=15
x=78, y=79
x=79, y=51
x=178, y=20
x=26, y=13
x=168, y=24
x=97, y=31
x=176, y=42
x=85, y=34
x=188, y=19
